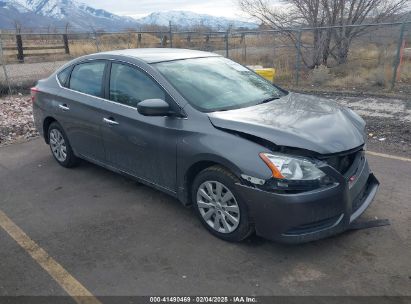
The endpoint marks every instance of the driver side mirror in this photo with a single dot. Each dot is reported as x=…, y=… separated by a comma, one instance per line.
x=153, y=107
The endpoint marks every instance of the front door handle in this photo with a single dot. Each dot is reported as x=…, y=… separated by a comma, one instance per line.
x=64, y=107
x=110, y=121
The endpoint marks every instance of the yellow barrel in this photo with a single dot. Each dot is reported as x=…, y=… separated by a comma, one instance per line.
x=267, y=73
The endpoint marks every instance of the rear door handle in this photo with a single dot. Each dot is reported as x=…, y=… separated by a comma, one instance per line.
x=64, y=107
x=110, y=121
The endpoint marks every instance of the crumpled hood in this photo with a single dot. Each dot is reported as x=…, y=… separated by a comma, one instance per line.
x=297, y=120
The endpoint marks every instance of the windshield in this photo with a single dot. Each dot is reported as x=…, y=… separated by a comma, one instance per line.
x=217, y=84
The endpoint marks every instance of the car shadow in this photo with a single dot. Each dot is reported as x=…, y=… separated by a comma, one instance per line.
x=163, y=200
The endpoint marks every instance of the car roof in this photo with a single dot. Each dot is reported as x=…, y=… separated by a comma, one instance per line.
x=152, y=55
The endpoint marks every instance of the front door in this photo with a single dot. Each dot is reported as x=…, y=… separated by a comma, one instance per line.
x=139, y=145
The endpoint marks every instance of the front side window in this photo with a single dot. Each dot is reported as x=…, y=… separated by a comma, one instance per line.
x=216, y=83
x=129, y=85
x=88, y=78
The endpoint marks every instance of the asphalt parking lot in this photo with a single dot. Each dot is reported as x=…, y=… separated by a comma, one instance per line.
x=118, y=237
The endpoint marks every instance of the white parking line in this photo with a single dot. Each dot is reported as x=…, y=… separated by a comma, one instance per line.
x=389, y=156
x=73, y=287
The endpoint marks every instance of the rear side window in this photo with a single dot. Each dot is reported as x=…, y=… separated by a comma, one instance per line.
x=129, y=85
x=63, y=76
x=88, y=78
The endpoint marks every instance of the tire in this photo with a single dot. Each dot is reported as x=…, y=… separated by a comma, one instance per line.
x=218, y=212
x=60, y=146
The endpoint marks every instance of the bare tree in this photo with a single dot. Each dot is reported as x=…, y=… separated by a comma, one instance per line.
x=332, y=22
x=17, y=26
x=356, y=12
x=67, y=27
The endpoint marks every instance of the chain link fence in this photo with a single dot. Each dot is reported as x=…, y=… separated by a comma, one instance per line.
x=378, y=57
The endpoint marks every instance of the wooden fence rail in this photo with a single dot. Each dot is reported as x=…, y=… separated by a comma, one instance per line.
x=20, y=48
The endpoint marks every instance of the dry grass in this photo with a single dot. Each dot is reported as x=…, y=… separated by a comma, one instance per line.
x=405, y=72
x=320, y=75
x=112, y=42
x=369, y=66
x=79, y=48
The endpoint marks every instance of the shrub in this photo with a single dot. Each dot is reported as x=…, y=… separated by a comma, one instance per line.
x=405, y=72
x=320, y=75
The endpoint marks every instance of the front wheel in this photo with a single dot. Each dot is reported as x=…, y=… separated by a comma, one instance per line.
x=218, y=206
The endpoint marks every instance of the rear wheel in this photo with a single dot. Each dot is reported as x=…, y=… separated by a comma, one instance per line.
x=218, y=205
x=60, y=146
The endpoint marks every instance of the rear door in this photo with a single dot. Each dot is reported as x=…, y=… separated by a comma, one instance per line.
x=139, y=145
x=78, y=108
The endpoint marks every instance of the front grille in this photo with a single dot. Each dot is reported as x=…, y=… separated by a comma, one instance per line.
x=341, y=163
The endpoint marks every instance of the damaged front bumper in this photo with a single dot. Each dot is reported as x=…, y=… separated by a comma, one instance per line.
x=312, y=215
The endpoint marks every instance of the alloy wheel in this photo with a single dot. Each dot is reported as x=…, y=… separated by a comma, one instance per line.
x=218, y=206
x=58, y=145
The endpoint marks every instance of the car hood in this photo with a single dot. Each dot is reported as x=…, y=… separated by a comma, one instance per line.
x=297, y=120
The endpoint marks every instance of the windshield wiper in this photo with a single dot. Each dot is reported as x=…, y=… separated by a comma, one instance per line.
x=268, y=100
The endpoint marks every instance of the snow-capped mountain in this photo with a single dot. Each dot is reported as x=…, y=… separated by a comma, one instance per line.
x=186, y=19
x=13, y=13
x=80, y=16
x=14, y=6
x=30, y=14
x=61, y=9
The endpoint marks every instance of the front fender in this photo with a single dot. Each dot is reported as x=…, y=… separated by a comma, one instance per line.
x=237, y=154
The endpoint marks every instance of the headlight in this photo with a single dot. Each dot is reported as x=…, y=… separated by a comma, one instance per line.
x=292, y=168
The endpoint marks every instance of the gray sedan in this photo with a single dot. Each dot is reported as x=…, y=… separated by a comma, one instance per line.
x=248, y=155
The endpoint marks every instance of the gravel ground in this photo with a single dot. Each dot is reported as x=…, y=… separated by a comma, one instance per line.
x=388, y=121
x=16, y=119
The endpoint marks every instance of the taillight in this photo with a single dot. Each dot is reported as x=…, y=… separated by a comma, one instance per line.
x=34, y=91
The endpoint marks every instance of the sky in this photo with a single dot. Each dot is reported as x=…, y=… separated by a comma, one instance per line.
x=141, y=8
